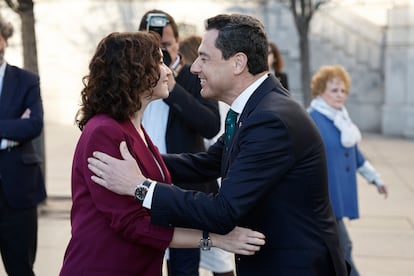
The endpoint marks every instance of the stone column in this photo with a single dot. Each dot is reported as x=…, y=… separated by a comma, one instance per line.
x=398, y=108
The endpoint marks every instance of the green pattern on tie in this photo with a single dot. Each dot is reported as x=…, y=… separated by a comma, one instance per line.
x=230, y=125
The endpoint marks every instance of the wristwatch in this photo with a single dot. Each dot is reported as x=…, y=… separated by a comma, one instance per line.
x=205, y=243
x=141, y=190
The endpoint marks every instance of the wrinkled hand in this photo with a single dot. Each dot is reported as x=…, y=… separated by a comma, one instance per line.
x=240, y=240
x=382, y=189
x=118, y=175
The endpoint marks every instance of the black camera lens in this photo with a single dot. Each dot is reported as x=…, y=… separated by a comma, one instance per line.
x=167, y=57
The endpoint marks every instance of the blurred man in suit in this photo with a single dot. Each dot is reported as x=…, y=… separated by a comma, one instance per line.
x=22, y=185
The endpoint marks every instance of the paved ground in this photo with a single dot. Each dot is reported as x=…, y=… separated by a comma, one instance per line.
x=383, y=237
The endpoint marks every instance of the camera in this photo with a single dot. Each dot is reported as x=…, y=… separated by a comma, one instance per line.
x=156, y=23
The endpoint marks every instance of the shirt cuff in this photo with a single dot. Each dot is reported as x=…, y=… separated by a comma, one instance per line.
x=3, y=144
x=148, y=197
x=370, y=174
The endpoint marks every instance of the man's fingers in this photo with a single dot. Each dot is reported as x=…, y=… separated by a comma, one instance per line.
x=98, y=164
x=256, y=241
x=100, y=157
x=245, y=232
x=94, y=168
x=258, y=235
x=383, y=190
x=244, y=252
x=126, y=155
x=252, y=248
x=99, y=181
x=248, y=249
x=99, y=168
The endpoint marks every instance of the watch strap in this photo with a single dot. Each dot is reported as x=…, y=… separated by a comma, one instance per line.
x=147, y=183
x=205, y=242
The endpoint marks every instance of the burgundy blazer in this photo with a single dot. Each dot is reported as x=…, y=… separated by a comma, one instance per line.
x=112, y=234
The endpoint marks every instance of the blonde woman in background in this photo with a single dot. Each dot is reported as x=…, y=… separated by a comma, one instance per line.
x=330, y=89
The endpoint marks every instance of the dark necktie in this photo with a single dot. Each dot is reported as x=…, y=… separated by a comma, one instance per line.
x=230, y=125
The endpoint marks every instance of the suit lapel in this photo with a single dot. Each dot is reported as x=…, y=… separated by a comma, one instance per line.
x=270, y=84
x=146, y=156
x=9, y=86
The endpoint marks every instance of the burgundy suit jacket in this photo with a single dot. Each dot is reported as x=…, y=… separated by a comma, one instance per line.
x=112, y=234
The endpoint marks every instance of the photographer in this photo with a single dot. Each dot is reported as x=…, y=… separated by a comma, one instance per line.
x=179, y=124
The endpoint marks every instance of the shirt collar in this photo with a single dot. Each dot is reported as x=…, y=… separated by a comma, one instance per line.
x=240, y=102
x=176, y=62
x=3, y=69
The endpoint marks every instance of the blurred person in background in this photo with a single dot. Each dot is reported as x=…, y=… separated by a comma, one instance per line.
x=330, y=89
x=189, y=48
x=276, y=64
x=22, y=185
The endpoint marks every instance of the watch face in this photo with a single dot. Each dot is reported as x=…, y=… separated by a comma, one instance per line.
x=140, y=193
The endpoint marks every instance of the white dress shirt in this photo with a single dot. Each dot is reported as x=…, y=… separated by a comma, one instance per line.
x=3, y=143
x=2, y=71
x=155, y=123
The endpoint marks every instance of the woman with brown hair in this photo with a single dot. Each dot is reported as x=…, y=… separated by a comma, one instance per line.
x=189, y=48
x=276, y=64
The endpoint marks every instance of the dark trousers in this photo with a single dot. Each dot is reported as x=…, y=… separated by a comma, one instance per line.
x=184, y=262
x=346, y=245
x=18, y=238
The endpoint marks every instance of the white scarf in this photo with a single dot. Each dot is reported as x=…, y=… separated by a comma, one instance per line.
x=350, y=134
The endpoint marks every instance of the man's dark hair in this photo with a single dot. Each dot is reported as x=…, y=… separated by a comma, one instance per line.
x=6, y=28
x=241, y=33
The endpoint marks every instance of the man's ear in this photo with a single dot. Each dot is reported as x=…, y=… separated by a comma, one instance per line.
x=240, y=63
x=6, y=43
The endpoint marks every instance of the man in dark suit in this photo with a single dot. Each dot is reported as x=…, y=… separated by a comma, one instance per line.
x=21, y=179
x=274, y=175
x=180, y=122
